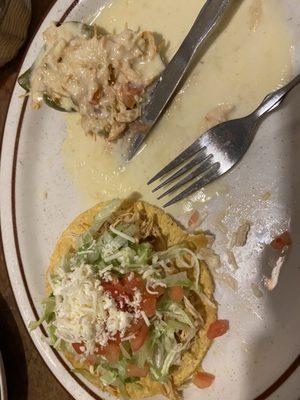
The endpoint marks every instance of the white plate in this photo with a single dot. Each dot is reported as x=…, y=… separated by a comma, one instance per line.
x=258, y=359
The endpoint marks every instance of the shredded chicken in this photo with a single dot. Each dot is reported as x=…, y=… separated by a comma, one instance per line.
x=218, y=115
x=256, y=290
x=148, y=227
x=241, y=235
x=228, y=280
x=232, y=259
x=102, y=77
x=271, y=283
x=255, y=15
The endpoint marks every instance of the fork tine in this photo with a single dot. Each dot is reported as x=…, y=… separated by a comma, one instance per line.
x=204, y=180
x=181, y=158
x=198, y=171
x=199, y=158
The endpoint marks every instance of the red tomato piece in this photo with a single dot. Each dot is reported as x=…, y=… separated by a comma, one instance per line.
x=281, y=241
x=132, y=282
x=176, y=293
x=91, y=359
x=117, y=292
x=100, y=350
x=148, y=305
x=218, y=328
x=114, y=288
x=78, y=347
x=111, y=351
x=135, y=326
x=194, y=218
x=203, y=380
x=140, y=337
x=135, y=371
x=159, y=290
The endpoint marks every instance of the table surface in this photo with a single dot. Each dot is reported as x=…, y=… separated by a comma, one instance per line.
x=27, y=375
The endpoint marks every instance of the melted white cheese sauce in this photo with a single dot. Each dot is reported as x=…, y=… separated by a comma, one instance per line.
x=249, y=58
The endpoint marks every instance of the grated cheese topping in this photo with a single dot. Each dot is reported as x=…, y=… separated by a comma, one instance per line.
x=86, y=313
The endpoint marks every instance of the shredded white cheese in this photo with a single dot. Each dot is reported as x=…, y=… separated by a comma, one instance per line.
x=145, y=318
x=85, y=313
x=122, y=234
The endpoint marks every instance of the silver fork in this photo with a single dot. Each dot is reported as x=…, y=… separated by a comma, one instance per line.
x=218, y=150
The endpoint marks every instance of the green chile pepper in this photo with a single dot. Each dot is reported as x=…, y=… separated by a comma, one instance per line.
x=24, y=80
x=55, y=104
x=102, y=132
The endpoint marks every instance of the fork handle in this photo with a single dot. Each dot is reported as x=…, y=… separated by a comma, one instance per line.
x=274, y=99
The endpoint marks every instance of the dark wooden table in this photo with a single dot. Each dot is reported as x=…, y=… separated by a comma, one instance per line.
x=27, y=375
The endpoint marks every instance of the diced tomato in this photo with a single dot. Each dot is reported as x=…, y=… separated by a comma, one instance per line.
x=132, y=282
x=114, y=288
x=218, y=328
x=140, y=337
x=135, y=371
x=100, y=350
x=281, y=241
x=148, y=305
x=116, y=338
x=194, y=218
x=91, y=359
x=111, y=351
x=176, y=293
x=203, y=380
x=159, y=290
x=136, y=326
x=117, y=292
x=78, y=347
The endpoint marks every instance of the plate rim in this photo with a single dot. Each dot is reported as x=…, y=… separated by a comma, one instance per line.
x=22, y=108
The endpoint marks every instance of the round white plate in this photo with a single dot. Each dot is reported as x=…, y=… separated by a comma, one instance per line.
x=259, y=357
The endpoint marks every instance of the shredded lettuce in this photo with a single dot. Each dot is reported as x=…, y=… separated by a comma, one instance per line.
x=104, y=214
x=169, y=359
x=51, y=331
x=121, y=367
x=35, y=324
x=177, y=312
x=108, y=376
x=157, y=375
x=175, y=326
x=48, y=313
x=144, y=252
x=179, y=279
x=124, y=352
x=158, y=355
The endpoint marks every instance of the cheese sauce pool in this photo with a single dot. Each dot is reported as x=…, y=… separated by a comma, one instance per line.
x=250, y=57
